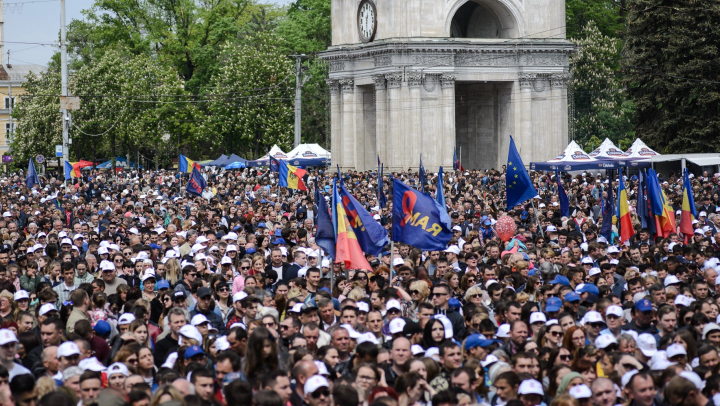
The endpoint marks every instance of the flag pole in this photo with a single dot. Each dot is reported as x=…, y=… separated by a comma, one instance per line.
x=537, y=219
x=392, y=257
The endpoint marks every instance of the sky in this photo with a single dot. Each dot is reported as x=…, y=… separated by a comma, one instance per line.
x=30, y=23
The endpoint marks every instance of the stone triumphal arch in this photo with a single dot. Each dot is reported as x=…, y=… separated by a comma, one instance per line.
x=411, y=77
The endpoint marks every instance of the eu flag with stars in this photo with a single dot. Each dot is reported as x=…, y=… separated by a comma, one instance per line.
x=518, y=183
x=197, y=183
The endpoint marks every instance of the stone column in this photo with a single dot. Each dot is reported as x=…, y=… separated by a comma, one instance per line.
x=558, y=95
x=335, y=120
x=348, y=124
x=413, y=113
x=447, y=106
x=381, y=114
x=524, y=137
x=393, y=162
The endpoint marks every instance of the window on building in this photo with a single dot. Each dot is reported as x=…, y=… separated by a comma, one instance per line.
x=9, y=103
x=9, y=131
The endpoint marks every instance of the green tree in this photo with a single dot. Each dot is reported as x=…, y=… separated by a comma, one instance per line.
x=38, y=123
x=601, y=106
x=185, y=34
x=672, y=73
x=307, y=30
x=250, y=104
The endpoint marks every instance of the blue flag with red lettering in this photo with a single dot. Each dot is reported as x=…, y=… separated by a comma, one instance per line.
x=197, y=183
x=416, y=219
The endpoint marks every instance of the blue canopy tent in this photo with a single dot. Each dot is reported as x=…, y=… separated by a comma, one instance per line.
x=216, y=162
x=234, y=159
x=574, y=159
x=120, y=162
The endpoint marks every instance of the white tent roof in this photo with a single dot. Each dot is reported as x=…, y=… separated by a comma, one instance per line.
x=308, y=151
x=572, y=153
x=608, y=150
x=275, y=152
x=639, y=150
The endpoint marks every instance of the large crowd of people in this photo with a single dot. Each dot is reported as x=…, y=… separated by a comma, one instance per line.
x=127, y=291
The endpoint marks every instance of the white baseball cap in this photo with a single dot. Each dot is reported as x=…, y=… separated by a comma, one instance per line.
x=537, y=317
x=530, y=387
x=20, y=295
x=368, y=337
x=604, y=340
x=594, y=271
x=397, y=261
x=647, y=344
x=126, y=318
x=47, y=308
x=7, y=336
x=190, y=331
x=199, y=319
x=393, y=304
x=671, y=279
x=67, y=349
x=580, y=392
x=593, y=317
x=674, y=350
x=118, y=368
x=363, y=307
x=396, y=325
x=242, y=295
x=314, y=383
x=682, y=300
x=503, y=331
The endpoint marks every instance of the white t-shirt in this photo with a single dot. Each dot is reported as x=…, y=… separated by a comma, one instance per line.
x=18, y=370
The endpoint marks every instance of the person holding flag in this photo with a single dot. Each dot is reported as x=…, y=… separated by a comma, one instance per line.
x=562, y=196
x=291, y=176
x=688, y=213
x=624, y=219
x=517, y=181
x=347, y=248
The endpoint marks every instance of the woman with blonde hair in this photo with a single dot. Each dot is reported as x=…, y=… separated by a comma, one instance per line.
x=258, y=265
x=172, y=271
x=474, y=295
x=357, y=293
x=419, y=292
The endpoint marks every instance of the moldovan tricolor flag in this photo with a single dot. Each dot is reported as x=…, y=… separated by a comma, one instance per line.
x=186, y=164
x=664, y=214
x=291, y=176
x=347, y=249
x=688, y=207
x=624, y=221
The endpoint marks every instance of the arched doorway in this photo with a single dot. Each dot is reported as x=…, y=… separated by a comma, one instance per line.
x=483, y=19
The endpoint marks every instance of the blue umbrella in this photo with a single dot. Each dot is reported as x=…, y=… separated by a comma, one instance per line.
x=236, y=165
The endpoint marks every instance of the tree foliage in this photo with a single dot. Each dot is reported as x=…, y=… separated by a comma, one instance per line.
x=672, y=73
x=601, y=106
x=250, y=105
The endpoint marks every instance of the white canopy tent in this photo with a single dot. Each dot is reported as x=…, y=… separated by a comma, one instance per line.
x=639, y=150
x=309, y=151
x=608, y=150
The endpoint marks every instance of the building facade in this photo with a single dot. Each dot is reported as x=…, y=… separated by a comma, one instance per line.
x=426, y=77
x=12, y=86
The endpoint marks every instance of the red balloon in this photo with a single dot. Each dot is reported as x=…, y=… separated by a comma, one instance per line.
x=505, y=228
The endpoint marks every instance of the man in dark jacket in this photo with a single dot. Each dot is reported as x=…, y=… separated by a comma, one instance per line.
x=278, y=265
x=205, y=306
x=642, y=315
x=440, y=298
